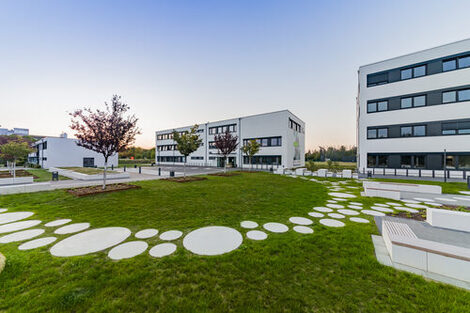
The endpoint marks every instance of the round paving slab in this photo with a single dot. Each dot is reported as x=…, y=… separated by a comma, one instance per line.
x=72, y=228
x=382, y=205
x=331, y=223
x=16, y=226
x=21, y=235
x=381, y=209
x=315, y=214
x=355, y=203
x=335, y=206
x=359, y=220
x=248, y=224
x=331, y=201
x=303, y=229
x=171, y=235
x=465, y=192
x=336, y=215
x=410, y=201
x=14, y=216
x=417, y=206
x=36, y=243
x=90, y=241
x=300, y=220
x=423, y=199
x=433, y=203
x=348, y=212
x=341, y=195
x=256, y=235
x=393, y=204
x=373, y=213
x=128, y=250
x=146, y=233
x=58, y=222
x=438, y=199
x=340, y=199
x=357, y=207
x=213, y=240
x=322, y=209
x=276, y=227
x=3, y=210
x=162, y=250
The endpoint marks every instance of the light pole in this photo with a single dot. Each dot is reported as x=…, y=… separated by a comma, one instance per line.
x=445, y=165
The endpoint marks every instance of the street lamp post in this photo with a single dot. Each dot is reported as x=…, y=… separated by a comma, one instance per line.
x=445, y=165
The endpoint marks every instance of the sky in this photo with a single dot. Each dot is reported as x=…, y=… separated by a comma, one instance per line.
x=177, y=63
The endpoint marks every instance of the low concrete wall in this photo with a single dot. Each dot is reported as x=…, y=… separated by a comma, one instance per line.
x=85, y=177
x=16, y=181
x=448, y=219
x=433, y=189
x=12, y=189
x=381, y=193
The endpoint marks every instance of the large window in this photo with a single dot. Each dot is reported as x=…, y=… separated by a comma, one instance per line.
x=371, y=160
x=377, y=133
x=263, y=159
x=406, y=131
x=382, y=132
x=405, y=161
x=454, y=63
x=371, y=133
x=464, y=161
x=413, y=131
x=222, y=129
x=295, y=126
x=409, y=102
x=382, y=161
x=463, y=95
x=419, y=130
x=449, y=96
x=414, y=72
x=449, y=65
x=456, y=128
x=266, y=141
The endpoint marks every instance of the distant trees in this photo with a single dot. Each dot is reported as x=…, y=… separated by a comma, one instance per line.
x=138, y=153
x=106, y=132
x=250, y=149
x=14, y=151
x=187, y=143
x=342, y=153
x=225, y=143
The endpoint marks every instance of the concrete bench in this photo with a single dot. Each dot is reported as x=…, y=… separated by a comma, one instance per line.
x=382, y=193
x=16, y=181
x=432, y=189
x=346, y=174
x=300, y=171
x=322, y=172
x=448, y=219
x=434, y=257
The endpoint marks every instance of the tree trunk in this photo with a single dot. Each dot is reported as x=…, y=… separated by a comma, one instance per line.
x=225, y=165
x=14, y=169
x=251, y=163
x=104, y=172
x=184, y=167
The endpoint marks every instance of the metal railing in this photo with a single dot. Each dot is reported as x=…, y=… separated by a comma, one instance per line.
x=415, y=172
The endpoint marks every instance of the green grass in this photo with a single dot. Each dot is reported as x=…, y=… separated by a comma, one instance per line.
x=336, y=166
x=87, y=170
x=333, y=270
x=447, y=187
x=44, y=175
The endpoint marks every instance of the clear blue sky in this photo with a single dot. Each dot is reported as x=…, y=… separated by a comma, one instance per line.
x=181, y=62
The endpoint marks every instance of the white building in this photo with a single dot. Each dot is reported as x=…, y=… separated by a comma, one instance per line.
x=14, y=131
x=281, y=135
x=64, y=152
x=413, y=107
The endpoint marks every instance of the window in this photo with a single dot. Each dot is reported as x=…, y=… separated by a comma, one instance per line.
x=371, y=133
x=295, y=126
x=464, y=62
x=44, y=145
x=450, y=128
x=371, y=107
x=419, y=161
x=222, y=129
x=371, y=160
x=212, y=145
x=449, y=96
x=464, y=161
x=449, y=65
x=450, y=162
x=382, y=132
x=464, y=95
x=406, y=74
x=419, y=71
x=382, y=105
x=407, y=131
x=405, y=161
x=406, y=103
x=419, y=130
x=382, y=161
x=263, y=159
x=197, y=158
x=377, y=79
x=266, y=142
x=419, y=101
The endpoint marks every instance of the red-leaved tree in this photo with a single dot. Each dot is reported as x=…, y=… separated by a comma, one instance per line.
x=106, y=132
x=225, y=143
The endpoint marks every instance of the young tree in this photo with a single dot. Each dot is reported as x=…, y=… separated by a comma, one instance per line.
x=250, y=149
x=14, y=151
x=106, y=132
x=187, y=143
x=225, y=143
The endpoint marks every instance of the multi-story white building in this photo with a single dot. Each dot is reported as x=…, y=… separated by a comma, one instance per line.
x=413, y=107
x=14, y=131
x=281, y=135
x=64, y=152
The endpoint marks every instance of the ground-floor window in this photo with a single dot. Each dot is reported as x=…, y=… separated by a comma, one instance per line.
x=433, y=161
x=263, y=159
x=172, y=159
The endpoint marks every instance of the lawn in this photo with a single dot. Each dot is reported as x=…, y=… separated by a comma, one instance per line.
x=40, y=175
x=448, y=187
x=332, y=270
x=87, y=170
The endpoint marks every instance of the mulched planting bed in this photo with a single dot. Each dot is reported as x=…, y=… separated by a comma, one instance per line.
x=19, y=173
x=421, y=216
x=184, y=180
x=93, y=190
x=224, y=174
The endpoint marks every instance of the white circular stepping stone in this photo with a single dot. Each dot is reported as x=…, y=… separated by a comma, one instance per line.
x=402, y=208
x=21, y=235
x=248, y=224
x=162, y=250
x=315, y=214
x=393, y=204
x=331, y=223
x=335, y=206
x=359, y=220
x=417, y=206
x=276, y=227
x=433, y=203
x=36, y=243
x=373, y=213
x=423, y=199
x=462, y=198
x=128, y=250
x=301, y=220
x=357, y=207
x=90, y=241
x=58, y=222
x=171, y=235
x=348, y=212
x=410, y=201
x=381, y=209
x=3, y=210
x=16, y=226
x=465, y=192
x=72, y=228
x=303, y=229
x=322, y=209
x=331, y=201
x=356, y=203
x=381, y=204
x=14, y=216
x=341, y=195
x=340, y=199
x=146, y=233
x=213, y=240
x=438, y=199
x=336, y=215
x=256, y=235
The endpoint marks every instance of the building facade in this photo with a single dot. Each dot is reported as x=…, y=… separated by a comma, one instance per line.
x=64, y=152
x=14, y=131
x=413, y=111
x=281, y=136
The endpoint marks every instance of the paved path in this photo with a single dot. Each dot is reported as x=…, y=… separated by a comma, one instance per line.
x=453, y=199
